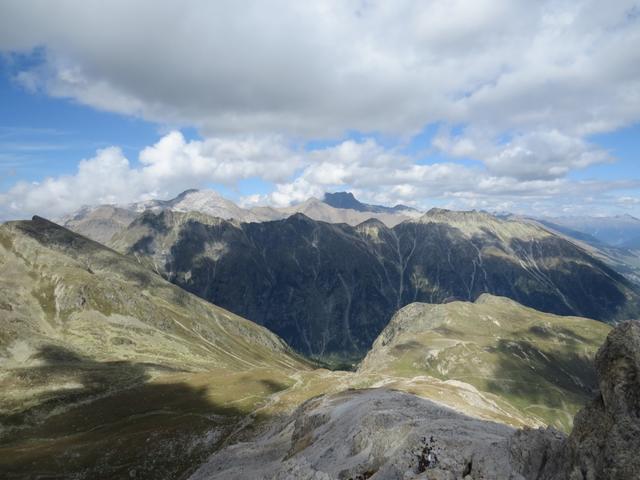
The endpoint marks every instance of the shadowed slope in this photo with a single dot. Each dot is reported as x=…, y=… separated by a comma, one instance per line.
x=330, y=289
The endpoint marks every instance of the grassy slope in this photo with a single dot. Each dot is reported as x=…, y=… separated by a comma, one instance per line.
x=106, y=370
x=539, y=363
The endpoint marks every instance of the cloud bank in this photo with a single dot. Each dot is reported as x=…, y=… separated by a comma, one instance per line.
x=516, y=86
x=374, y=172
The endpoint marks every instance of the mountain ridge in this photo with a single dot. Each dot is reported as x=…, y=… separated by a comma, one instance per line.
x=101, y=222
x=331, y=287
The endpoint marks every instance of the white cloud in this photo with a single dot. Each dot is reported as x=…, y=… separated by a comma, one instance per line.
x=321, y=68
x=373, y=172
x=386, y=176
x=166, y=168
x=525, y=82
x=534, y=155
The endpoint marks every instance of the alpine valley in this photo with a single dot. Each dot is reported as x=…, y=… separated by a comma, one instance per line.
x=194, y=338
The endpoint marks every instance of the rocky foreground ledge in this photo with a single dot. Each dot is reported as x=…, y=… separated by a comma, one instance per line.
x=383, y=434
x=605, y=441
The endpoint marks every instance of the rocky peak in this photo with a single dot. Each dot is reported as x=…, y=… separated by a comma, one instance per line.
x=346, y=200
x=343, y=200
x=185, y=194
x=198, y=198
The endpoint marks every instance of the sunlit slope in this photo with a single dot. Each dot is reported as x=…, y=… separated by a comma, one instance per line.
x=539, y=363
x=106, y=368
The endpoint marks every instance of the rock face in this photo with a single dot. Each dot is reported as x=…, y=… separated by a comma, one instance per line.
x=330, y=289
x=369, y=434
x=605, y=440
x=346, y=200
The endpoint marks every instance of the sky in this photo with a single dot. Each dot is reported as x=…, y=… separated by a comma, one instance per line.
x=519, y=106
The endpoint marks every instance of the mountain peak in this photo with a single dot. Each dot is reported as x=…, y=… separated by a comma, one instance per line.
x=344, y=200
x=185, y=194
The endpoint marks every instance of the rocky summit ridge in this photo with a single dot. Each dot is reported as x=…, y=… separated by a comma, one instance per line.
x=101, y=222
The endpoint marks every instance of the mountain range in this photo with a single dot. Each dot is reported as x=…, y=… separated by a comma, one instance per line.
x=330, y=289
x=110, y=371
x=101, y=222
x=617, y=231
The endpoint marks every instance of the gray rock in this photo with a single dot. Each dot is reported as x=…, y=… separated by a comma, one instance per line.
x=605, y=440
x=376, y=434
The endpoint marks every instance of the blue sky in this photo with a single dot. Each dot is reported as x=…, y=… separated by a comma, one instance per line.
x=488, y=105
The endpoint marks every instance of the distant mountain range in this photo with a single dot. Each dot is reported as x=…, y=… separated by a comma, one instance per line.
x=329, y=289
x=621, y=231
x=101, y=222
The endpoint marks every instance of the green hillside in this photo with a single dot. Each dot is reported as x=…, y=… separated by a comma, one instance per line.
x=539, y=363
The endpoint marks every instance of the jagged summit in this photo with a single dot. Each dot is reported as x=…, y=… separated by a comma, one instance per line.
x=346, y=200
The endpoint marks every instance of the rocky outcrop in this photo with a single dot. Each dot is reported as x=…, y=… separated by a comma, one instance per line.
x=369, y=434
x=605, y=440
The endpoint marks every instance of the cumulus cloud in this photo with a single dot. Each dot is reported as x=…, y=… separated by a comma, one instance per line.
x=523, y=84
x=166, y=168
x=387, y=176
x=533, y=155
x=320, y=68
x=373, y=172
